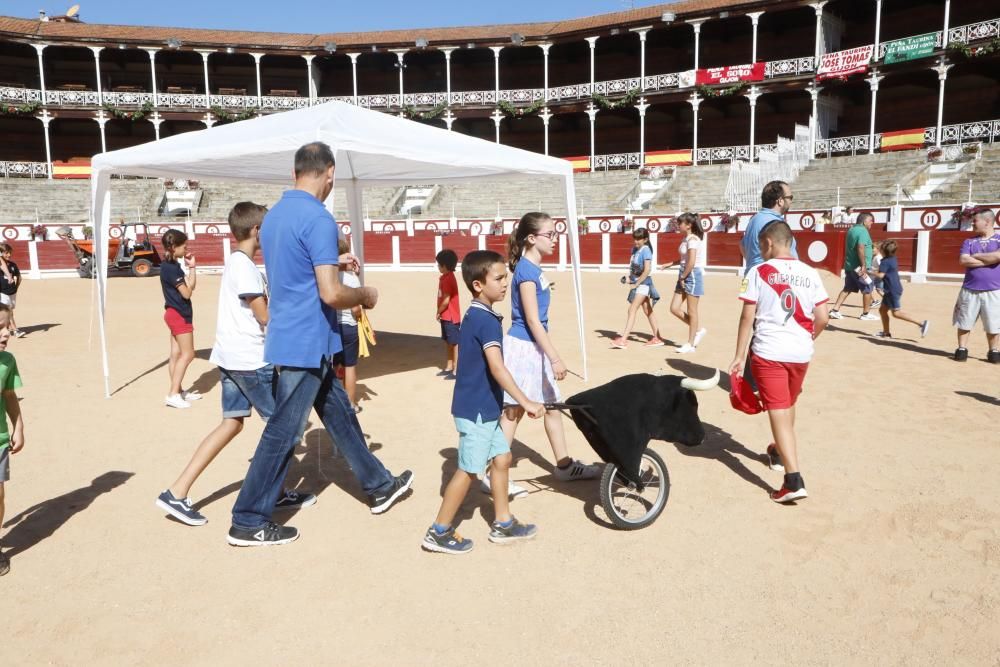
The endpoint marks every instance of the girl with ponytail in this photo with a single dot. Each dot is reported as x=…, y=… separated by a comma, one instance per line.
x=178, y=278
x=528, y=352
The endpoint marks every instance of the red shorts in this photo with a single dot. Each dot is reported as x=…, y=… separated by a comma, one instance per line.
x=778, y=382
x=175, y=322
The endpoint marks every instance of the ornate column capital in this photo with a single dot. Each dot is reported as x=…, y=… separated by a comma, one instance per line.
x=642, y=106
x=152, y=53
x=497, y=117
x=102, y=118
x=818, y=7
x=641, y=31
x=257, y=57
x=205, y=53
x=545, y=47
x=308, y=57
x=874, y=79
x=39, y=48
x=496, y=51
x=592, y=41
x=546, y=115
x=46, y=118
x=97, y=50
x=755, y=16
x=695, y=101
x=354, y=57
x=696, y=24
x=942, y=68
x=446, y=50
x=752, y=94
x=592, y=111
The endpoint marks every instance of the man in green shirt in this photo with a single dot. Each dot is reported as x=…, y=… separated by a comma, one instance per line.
x=857, y=259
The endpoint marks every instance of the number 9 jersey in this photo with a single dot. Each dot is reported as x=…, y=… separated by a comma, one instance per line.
x=786, y=292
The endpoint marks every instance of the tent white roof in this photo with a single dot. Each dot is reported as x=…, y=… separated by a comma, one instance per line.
x=371, y=148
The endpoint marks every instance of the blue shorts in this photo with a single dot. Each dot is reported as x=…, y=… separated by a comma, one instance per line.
x=479, y=442
x=853, y=283
x=892, y=301
x=450, y=332
x=5, y=464
x=243, y=390
x=653, y=295
x=693, y=285
x=348, y=357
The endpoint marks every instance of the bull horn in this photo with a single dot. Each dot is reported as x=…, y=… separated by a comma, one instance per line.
x=701, y=385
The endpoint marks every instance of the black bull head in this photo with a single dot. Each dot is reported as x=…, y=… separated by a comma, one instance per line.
x=623, y=415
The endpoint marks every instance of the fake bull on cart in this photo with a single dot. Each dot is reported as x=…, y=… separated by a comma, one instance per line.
x=619, y=419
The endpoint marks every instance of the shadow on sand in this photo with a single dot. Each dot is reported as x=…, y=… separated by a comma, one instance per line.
x=40, y=521
x=199, y=354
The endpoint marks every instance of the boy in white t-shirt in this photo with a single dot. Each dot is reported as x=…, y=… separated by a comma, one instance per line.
x=784, y=309
x=247, y=380
x=348, y=357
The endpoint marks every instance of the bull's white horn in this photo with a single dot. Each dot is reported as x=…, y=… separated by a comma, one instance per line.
x=701, y=385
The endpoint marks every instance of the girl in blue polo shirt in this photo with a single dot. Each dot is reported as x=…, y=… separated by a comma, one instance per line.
x=642, y=291
x=529, y=354
x=177, y=285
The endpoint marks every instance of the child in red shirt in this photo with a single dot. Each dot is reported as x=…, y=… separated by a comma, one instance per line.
x=448, y=311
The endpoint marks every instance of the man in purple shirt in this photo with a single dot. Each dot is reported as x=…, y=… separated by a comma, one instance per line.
x=980, y=294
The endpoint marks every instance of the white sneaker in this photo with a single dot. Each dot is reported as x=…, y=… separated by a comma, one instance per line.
x=699, y=335
x=924, y=328
x=835, y=315
x=513, y=490
x=191, y=395
x=867, y=317
x=176, y=401
x=686, y=348
x=578, y=470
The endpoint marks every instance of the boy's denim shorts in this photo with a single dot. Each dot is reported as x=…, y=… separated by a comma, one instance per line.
x=4, y=464
x=243, y=390
x=348, y=357
x=478, y=443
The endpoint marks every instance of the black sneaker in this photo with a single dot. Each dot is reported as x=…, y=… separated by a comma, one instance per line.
x=5, y=564
x=380, y=502
x=774, y=459
x=180, y=509
x=993, y=356
x=447, y=543
x=512, y=533
x=268, y=534
x=961, y=354
x=293, y=500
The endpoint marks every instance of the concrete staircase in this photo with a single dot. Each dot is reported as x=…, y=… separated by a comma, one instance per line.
x=864, y=180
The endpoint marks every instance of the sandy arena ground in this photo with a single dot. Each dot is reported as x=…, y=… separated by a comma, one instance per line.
x=893, y=559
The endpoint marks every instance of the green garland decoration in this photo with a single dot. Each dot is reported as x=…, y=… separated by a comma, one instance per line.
x=139, y=114
x=735, y=89
x=411, y=112
x=607, y=104
x=222, y=117
x=511, y=111
x=967, y=51
x=23, y=110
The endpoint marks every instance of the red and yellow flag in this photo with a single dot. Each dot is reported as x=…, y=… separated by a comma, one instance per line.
x=903, y=140
x=76, y=168
x=669, y=158
x=579, y=163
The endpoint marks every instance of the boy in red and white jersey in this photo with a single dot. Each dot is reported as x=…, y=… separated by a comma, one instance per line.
x=784, y=310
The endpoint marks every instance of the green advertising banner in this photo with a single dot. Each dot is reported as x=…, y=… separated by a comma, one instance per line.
x=910, y=48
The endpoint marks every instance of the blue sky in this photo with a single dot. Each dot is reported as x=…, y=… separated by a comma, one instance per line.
x=318, y=15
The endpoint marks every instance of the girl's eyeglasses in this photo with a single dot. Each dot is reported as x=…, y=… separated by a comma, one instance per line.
x=548, y=235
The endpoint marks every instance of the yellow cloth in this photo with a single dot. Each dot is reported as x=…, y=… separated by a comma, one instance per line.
x=366, y=335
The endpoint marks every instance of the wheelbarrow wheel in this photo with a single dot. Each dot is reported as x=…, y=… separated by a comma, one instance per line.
x=628, y=506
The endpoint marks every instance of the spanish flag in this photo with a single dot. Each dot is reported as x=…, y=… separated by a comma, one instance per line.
x=579, y=163
x=71, y=169
x=903, y=140
x=669, y=158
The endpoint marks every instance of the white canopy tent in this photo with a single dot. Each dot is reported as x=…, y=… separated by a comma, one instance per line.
x=371, y=149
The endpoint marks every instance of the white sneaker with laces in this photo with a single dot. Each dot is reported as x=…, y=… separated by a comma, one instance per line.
x=578, y=470
x=699, y=335
x=176, y=401
x=191, y=395
x=867, y=317
x=835, y=315
x=513, y=490
x=686, y=348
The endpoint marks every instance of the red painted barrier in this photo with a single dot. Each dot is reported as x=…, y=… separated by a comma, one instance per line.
x=621, y=247
x=378, y=248
x=52, y=255
x=591, y=249
x=944, y=250
x=723, y=250
x=462, y=245
x=906, y=252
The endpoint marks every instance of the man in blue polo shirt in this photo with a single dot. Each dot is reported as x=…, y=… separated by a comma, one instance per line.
x=299, y=242
x=775, y=200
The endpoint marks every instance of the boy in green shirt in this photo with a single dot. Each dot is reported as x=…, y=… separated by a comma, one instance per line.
x=10, y=442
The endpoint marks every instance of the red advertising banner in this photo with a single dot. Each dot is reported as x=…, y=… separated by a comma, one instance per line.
x=841, y=64
x=730, y=74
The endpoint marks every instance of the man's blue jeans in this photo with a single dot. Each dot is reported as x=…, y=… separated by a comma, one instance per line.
x=298, y=390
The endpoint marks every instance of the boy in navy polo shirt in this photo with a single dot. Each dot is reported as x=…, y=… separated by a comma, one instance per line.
x=476, y=406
